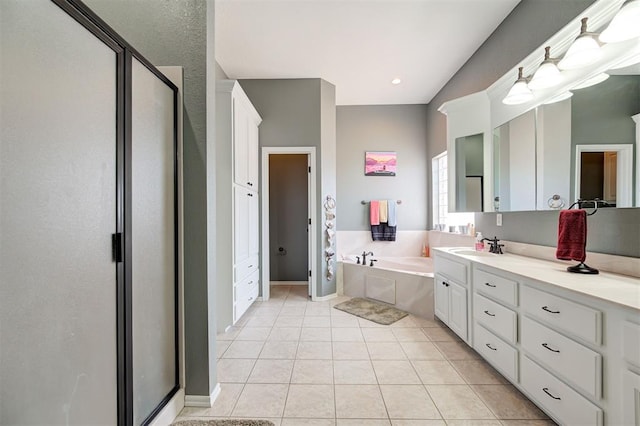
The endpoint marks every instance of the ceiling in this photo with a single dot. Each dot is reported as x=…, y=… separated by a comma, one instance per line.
x=358, y=45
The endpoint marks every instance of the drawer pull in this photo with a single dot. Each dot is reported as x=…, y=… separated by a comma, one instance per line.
x=544, y=345
x=490, y=285
x=251, y=282
x=250, y=195
x=546, y=308
x=251, y=298
x=250, y=266
x=445, y=284
x=491, y=347
x=546, y=390
x=489, y=313
x=249, y=183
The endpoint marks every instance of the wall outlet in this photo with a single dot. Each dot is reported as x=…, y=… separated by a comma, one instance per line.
x=499, y=219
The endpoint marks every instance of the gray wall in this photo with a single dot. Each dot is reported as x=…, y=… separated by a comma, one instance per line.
x=612, y=231
x=528, y=26
x=292, y=115
x=400, y=128
x=175, y=33
x=288, y=215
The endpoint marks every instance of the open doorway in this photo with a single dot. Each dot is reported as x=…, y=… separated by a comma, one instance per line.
x=288, y=219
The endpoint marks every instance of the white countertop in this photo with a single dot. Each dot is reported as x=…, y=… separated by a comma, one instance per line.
x=619, y=289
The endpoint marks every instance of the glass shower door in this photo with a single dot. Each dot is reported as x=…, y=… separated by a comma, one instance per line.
x=58, y=139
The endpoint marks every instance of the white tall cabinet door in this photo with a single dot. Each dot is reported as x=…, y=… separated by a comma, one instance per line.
x=57, y=214
x=241, y=212
x=240, y=144
x=253, y=224
x=252, y=156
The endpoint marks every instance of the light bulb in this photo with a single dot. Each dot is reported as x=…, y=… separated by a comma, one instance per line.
x=519, y=92
x=548, y=75
x=585, y=50
x=625, y=25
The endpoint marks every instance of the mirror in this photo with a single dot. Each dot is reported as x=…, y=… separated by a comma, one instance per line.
x=469, y=177
x=582, y=147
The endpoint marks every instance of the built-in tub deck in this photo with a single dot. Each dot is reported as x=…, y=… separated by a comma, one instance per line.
x=404, y=282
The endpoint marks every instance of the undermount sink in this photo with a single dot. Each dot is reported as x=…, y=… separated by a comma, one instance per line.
x=471, y=252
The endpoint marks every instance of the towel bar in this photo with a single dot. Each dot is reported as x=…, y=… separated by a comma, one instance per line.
x=363, y=202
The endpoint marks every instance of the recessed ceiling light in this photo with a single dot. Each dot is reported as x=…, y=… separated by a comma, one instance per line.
x=396, y=81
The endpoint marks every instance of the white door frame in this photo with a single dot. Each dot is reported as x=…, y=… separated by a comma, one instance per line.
x=624, y=187
x=310, y=151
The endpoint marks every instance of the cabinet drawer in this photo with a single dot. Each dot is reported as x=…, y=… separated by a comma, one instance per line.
x=451, y=269
x=563, y=314
x=579, y=365
x=501, y=355
x=631, y=343
x=245, y=294
x=563, y=403
x=500, y=320
x=498, y=287
x=244, y=268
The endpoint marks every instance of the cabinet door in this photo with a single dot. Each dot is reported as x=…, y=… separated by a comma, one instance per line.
x=253, y=223
x=442, y=299
x=458, y=309
x=240, y=224
x=240, y=144
x=631, y=398
x=252, y=155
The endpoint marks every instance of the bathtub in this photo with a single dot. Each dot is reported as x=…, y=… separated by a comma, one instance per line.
x=404, y=282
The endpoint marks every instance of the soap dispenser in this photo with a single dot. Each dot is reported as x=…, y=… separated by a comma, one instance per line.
x=479, y=242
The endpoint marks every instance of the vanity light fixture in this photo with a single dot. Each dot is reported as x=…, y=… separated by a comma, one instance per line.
x=548, y=75
x=560, y=97
x=396, y=81
x=585, y=50
x=520, y=92
x=597, y=79
x=625, y=25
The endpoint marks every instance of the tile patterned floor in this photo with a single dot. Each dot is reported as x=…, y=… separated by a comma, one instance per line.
x=297, y=362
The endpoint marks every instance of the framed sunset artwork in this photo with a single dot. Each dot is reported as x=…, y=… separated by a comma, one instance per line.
x=380, y=163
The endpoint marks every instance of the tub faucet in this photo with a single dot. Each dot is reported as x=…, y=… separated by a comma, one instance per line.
x=364, y=256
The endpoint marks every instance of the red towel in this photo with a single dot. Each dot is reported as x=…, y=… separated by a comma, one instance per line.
x=374, y=212
x=572, y=235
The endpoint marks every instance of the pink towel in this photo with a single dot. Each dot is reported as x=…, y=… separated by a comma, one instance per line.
x=374, y=212
x=572, y=235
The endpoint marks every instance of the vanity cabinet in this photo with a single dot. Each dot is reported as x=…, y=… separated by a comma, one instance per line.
x=451, y=295
x=237, y=217
x=495, y=298
x=570, y=343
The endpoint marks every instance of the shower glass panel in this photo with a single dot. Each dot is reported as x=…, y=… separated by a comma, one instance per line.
x=153, y=242
x=57, y=214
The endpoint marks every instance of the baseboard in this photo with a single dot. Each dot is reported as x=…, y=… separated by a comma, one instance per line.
x=170, y=411
x=305, y=283
x=202, y=400
x=323, y=298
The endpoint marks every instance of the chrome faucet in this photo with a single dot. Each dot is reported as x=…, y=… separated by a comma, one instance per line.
x=494, y=247
x=364, y=256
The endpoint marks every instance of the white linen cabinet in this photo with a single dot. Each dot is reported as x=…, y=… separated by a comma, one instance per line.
x=238, y=249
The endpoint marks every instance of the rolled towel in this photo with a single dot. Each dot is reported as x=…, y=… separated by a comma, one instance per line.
x=374, y=213
x=392, y=219
x=572, y=235
x=383, y=211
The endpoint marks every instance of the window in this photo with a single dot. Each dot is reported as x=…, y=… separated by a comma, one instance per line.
x=439, y=192
x=441, y=216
